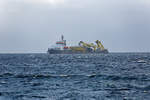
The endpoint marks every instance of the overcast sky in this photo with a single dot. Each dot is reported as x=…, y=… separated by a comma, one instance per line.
x=34, y=25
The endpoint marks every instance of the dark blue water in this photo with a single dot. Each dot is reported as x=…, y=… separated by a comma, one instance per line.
x=75, y=77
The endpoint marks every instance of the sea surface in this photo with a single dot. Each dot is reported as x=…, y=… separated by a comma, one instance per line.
x=114, y=76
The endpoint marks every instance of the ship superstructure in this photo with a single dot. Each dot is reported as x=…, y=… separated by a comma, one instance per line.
x=82, y=48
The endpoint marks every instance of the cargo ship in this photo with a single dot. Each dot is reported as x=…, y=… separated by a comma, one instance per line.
x=82, y=48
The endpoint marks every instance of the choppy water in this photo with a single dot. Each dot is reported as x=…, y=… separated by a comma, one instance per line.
x=75, y=77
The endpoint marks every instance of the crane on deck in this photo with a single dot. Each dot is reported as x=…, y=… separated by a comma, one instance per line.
x=100, y=45
x=94, y=47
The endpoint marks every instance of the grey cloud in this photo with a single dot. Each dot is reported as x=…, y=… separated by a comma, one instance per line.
x=32, y=27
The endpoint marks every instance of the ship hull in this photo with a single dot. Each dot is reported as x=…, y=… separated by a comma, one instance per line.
x=52, y=51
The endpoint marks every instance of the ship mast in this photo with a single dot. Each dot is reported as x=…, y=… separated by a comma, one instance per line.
x=62, y=37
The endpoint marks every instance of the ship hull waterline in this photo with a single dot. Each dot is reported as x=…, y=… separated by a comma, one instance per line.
x=75, y=52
